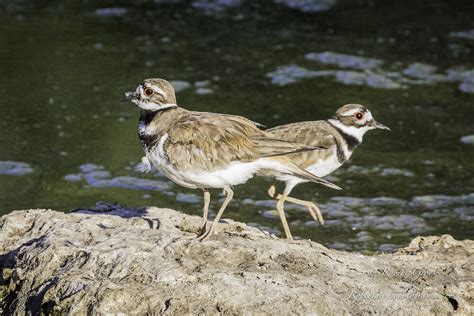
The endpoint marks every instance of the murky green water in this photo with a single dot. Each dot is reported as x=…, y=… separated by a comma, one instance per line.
x=63, y=67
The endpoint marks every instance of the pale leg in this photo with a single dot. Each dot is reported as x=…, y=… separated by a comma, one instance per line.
x=271, y=190
x=281, y=212
x=207, y=200
x=313, y=209
x=229, y=194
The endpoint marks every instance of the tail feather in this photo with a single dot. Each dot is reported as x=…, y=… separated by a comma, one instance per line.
x=296, y=171
x=271, y=147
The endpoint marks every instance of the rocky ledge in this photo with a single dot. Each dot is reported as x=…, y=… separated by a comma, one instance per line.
x=119, y=260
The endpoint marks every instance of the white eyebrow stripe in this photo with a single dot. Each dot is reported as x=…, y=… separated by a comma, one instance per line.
x=158, y=90
x=351, y=112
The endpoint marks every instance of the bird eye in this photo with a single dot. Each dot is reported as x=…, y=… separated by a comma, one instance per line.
x=148, y=92
x=359, y=115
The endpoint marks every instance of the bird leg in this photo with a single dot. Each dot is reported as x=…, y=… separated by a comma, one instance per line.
x=281, y=212
x=207, y=200
x=313, y=209
x=271, y=190
x=229, y=194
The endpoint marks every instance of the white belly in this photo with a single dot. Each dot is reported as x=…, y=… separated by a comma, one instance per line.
x=233, y=174
x=322, y=168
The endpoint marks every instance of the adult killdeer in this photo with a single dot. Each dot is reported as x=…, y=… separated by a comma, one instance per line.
x=340, y=135
x=208, y=150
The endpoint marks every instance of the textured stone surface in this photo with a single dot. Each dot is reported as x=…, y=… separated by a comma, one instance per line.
x=121, y=260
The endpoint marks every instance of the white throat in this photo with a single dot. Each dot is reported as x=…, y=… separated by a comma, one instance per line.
x=357, y=133
x=152, y=106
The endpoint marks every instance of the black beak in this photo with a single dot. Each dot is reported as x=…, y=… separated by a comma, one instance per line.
x=130, y=96
x=378, y=125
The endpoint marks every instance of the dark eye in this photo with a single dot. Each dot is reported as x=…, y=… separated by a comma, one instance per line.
x=359, y=115
x=148, y=92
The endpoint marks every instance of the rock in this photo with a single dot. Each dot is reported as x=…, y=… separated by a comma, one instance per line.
x=118, y=260
x=15, y=168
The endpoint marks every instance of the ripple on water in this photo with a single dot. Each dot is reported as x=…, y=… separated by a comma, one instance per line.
x=310, y=6
x=180, y=85
x=468, y=140
x=96, y=176
x=106, y=12
x=344, y=61
x=188, y=198
x=215, y=6
x=440, y=201
x=368, y=72
x=469, y=34
x=15, y=168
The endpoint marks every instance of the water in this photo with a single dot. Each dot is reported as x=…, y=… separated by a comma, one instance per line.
x=64, y=67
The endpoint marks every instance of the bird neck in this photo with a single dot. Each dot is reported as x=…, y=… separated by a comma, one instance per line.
x=350, y=135
x=153, y=124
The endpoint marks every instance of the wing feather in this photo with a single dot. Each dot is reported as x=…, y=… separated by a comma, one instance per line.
x=208, y=141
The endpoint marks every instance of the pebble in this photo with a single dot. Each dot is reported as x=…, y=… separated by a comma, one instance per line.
x=388, y=247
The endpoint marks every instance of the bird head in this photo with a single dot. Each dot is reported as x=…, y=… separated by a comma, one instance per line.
x=153, y=95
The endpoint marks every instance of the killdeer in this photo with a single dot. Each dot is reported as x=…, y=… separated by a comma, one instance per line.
x=340, y=135
x=208, y=150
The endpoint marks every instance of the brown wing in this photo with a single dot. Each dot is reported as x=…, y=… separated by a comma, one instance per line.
x=208, y=141
x=316, y=133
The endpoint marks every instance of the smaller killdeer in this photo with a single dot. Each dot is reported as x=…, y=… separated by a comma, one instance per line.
x=340, y=135
x=208, y=150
